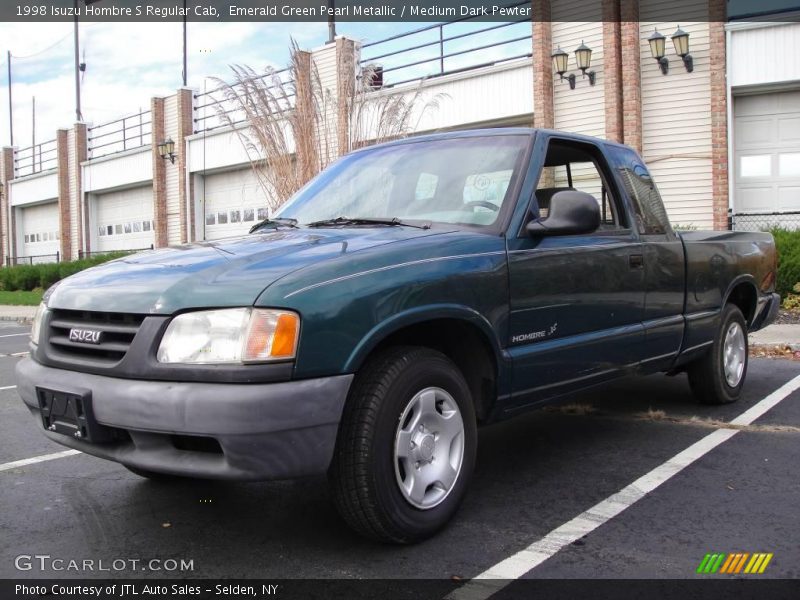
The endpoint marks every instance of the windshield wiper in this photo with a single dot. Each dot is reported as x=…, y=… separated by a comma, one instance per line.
x=367, y=221
x=277, y=222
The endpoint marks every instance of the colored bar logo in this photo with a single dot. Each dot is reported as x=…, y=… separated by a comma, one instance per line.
x=732, y=564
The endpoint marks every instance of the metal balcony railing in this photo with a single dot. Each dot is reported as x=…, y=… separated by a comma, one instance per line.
x=127, y=133
x=440, y=49
x=214, y=108
x=36, y=158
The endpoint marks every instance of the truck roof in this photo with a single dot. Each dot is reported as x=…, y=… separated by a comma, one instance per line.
x=495, y=131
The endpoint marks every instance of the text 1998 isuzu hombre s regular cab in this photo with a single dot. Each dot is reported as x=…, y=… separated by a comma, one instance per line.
x=408, y=294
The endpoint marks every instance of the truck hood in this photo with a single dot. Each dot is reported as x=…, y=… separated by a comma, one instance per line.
x=231, y=272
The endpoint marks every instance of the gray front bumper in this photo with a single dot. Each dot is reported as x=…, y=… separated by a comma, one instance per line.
x=265, y=431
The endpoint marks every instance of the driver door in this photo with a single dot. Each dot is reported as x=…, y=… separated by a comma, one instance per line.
x=576, y=300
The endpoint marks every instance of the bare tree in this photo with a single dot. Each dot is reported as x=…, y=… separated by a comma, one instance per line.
x=296, y=128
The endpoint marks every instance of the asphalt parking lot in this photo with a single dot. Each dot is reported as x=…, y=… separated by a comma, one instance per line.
x=534, y=474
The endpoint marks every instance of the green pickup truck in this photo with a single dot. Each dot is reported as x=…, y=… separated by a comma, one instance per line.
x=410, y=293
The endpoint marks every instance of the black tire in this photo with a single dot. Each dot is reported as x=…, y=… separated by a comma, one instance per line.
x=362, y=475
x=707, y=374
x=153, y=475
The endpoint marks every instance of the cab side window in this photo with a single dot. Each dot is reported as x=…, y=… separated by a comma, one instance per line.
x=577, y=166
x=651, y=216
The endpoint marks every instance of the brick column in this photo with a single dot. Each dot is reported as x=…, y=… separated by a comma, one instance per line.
x=78, y=154
x=719, y=112
x=6, y=175
x=307, y=155
x=346, y=65
x=612, y=70
x=159, y=174
x=64, y=212
x=542, y=39
x=631, y=74
x=185, y=183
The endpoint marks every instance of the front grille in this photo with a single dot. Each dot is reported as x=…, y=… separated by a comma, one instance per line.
x=117, y=333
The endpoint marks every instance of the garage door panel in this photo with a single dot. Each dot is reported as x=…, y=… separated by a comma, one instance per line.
x=789, y=129
x=755, y=131
x=40, y=231
x=788, y=102
x=755, y=199
x=767, y=153
x=124, y=219
x=234, y=202
x=789, y=198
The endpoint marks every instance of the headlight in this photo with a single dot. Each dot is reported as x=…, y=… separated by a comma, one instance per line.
x=233, y=335
x=37, y=322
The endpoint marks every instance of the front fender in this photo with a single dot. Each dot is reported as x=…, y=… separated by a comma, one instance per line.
x=415, y=316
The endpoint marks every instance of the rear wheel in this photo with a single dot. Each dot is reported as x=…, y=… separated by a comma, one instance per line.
x=406, y=446
x=718, y=377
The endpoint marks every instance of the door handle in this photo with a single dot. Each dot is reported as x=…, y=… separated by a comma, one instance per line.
x=636, y=261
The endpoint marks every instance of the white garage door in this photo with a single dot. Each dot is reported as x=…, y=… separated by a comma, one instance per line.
x=767, y=153
x=124, y=219
x=40, y=231
x=235, y=201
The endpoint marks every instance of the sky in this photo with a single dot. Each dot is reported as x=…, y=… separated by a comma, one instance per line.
x=129, y=63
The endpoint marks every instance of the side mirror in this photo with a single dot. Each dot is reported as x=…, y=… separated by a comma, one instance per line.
x=571, y=212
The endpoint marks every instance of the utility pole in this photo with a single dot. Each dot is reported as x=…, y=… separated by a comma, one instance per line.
x=185, y=59
x=10, y=104
x=33, y=134
x=331, y=21
x=78, y=114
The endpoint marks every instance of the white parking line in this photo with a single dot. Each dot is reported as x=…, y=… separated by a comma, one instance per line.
x=503, y=573
x=36, y=459
x=14, y=334
x=8, y=387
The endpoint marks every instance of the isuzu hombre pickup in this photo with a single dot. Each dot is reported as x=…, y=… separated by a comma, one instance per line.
x=410, y=293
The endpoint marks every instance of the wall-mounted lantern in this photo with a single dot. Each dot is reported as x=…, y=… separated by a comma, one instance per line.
x=680, y=40
x=583, y=58
x=658, y=49
x=166, y=150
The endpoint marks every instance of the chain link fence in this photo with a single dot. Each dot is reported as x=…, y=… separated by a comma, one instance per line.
x=765, y=221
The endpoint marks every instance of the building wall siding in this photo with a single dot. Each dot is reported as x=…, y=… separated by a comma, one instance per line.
x=676, y=116
x=581, y=110
x=173, y=196
x=767, y=54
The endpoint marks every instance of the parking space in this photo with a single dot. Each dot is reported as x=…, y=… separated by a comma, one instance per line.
x=534, y=473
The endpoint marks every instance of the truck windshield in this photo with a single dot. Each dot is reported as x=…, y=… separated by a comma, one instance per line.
x=457, y=181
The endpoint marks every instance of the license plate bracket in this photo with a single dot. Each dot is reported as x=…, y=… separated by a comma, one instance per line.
x=72, y=414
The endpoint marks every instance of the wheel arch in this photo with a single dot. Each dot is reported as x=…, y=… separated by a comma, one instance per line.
x=460, y=333
x=743, y=293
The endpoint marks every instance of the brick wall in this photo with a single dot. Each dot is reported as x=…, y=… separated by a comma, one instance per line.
x=631, y=74
x=543, y=115
x=64, y=213
x=6, y=175
x=159, y=175
x=612, y=52
x=719, y=113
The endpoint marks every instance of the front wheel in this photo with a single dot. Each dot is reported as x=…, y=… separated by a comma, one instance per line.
x=406, y=446
x=718, y=377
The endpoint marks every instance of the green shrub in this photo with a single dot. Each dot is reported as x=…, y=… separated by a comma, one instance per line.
x=30, y=277
x=788, y=245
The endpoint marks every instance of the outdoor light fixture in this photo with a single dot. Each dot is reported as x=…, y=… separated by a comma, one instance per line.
x=681, y=41
x=658, y=48
x=583, y=58
x=166, y=149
